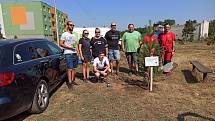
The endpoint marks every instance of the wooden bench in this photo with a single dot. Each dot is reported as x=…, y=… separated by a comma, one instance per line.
x=201, y=68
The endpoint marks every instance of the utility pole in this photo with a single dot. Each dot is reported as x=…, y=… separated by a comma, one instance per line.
x=56, y=19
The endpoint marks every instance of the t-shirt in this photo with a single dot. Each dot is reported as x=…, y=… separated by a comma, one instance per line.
x=131, y=41
x=85, y=48
x=149, y=39
x=100, y=64
x=98, y=46
x=71, y=40
x=113, y=38
x=167, y=41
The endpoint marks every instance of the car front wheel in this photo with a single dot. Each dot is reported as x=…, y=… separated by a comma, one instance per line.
x=41, y=98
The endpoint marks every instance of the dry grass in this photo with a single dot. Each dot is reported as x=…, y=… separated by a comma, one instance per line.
x=174, y=98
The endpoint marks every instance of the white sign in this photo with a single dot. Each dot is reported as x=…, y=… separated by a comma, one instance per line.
x=152, y=61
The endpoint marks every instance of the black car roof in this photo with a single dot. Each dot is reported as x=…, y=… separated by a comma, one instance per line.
x=17, y=41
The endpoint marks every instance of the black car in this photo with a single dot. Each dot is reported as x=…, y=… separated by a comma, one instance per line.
x=29, y=70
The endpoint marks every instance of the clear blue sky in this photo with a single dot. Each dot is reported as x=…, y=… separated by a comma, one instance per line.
x=91, y=13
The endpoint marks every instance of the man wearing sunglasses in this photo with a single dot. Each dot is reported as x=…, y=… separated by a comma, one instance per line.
x=98, y=44
x=69, y=42
x=113, y=38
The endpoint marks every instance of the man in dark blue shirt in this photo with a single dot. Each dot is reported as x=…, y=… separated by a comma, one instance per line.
x=98, y=44
x=113, y=39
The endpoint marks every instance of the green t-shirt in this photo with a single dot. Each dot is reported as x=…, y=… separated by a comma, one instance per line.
x=131, y=41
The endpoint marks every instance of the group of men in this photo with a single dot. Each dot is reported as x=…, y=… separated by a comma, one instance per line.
x=105, y=50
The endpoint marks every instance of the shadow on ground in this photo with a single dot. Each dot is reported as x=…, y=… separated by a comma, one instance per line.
x=189, y=76
x=182, y=117
x=137, y=83
x=124, y=70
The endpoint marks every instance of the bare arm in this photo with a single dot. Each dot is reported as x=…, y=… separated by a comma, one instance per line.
x=107, y=67
x=106, y=51
x=80, y=51
x=95, y=69
x=62, y=44
x=123, y=46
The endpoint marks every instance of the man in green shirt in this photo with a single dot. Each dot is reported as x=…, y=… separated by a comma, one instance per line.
x=130, y=43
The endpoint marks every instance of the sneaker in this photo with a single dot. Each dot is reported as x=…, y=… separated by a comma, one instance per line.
x=130, y=73
x=74, y=83
x=69, y=85
x=136, y=73
x=85, y=80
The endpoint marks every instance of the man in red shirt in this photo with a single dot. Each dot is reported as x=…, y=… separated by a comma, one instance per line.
x=167, y=40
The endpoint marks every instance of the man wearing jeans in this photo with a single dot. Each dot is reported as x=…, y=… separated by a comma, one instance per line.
x=113, y=37
x=69, y=42
x=130, y=43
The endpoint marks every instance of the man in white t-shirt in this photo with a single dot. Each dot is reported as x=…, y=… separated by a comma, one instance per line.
x=69, y=42
x=101, y=66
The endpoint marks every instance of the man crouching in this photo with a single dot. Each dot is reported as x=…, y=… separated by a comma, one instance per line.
x=101, y=67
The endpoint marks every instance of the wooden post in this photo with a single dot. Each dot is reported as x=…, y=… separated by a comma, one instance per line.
x=151, y=78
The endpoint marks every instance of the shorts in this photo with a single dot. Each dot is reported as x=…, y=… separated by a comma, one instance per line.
x=71, y=60
x=87, y=58
x=113, y=54
x=131, y=57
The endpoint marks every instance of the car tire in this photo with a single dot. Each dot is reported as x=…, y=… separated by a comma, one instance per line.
x=41, y=98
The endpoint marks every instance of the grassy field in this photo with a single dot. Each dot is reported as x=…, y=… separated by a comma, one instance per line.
x=178, y=97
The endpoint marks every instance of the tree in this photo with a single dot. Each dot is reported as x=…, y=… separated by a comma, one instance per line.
x=169, y=21
x=143, y=31
x=188, y=31
x=211, y=32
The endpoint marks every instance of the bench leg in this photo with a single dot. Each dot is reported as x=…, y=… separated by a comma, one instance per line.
x=194, y=67
x=205, y=77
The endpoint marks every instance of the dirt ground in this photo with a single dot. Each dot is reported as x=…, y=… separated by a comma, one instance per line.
x=178, y=97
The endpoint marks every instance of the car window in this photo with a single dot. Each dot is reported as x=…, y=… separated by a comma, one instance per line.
x=42, y=50
x=24, y=52
x=54, y=48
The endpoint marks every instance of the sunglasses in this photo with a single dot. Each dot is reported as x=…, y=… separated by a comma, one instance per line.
x=71, y=25
x=86, y=33
x=97, y=32
x=113, y=25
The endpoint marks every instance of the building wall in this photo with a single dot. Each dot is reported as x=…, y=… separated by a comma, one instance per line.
x=201, y=30
x=22, y=19
x=31, y=19
x=47, y=19
x=62, y=19
x=177, y=29
x=2, y=30
x=204, y=29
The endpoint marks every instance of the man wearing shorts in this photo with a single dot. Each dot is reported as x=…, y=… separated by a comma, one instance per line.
x=69, y=42
x=113, y=38
x=130, y=43
x=101, y=66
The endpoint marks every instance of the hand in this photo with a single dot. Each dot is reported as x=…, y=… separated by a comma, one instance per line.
x=82, y=58
x=173, y=52
x=102, y=72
